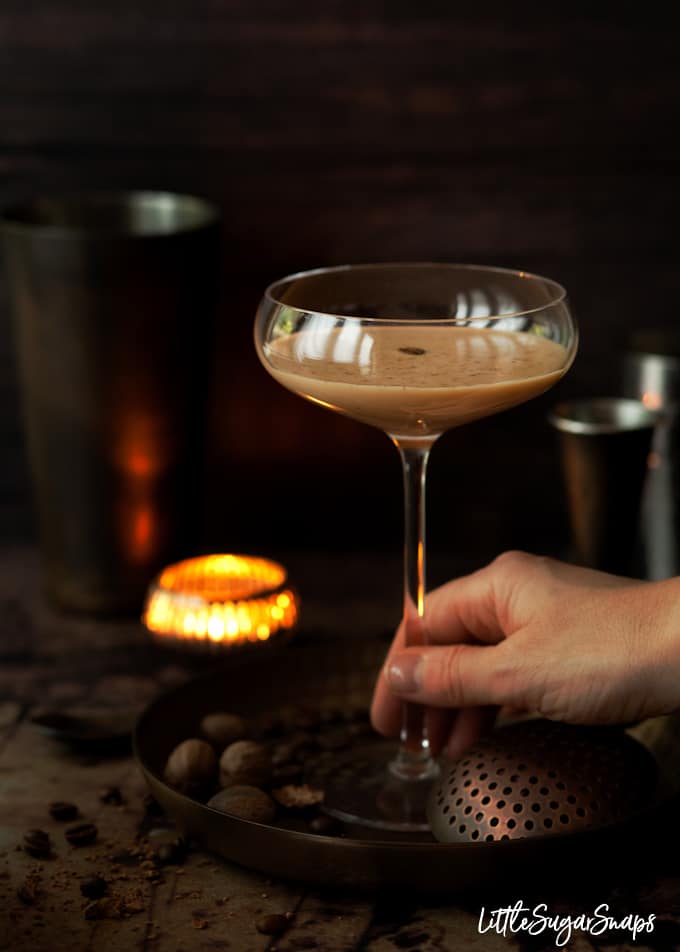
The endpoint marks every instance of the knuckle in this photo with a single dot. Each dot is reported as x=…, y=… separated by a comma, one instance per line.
x=513, y=560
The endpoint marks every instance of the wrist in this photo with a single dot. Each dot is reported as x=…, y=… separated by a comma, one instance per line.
x=659, y=629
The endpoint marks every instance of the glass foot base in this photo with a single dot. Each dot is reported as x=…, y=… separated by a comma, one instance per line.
x=362, y=789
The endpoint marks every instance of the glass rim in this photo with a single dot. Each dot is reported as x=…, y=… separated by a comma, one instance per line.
x=560, y=293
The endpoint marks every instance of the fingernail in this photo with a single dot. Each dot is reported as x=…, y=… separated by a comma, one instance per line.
x=402, y=673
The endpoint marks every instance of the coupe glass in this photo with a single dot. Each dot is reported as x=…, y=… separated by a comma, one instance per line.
x=413, y=349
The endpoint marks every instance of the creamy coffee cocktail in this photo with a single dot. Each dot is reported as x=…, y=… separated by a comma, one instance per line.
x=415, y=381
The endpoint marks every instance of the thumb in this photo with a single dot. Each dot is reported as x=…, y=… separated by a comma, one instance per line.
x=450, y=675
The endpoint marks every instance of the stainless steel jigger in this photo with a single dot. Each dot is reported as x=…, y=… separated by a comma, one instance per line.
x=538, y=778
x=605, y=446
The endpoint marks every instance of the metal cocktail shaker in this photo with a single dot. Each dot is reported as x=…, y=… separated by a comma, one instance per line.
x=651, y=373
x=113, y=297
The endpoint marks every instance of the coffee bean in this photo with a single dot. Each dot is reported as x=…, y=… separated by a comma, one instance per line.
x=81, y=835
x=37, y=843
x=324, y=825
x=94, y=887
x=413, y=351
x=112, y=796
x=60, y=810
x=272, y=924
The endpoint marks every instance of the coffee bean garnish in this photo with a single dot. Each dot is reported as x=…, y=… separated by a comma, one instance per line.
x=60, y=810
x=37, y=843
x=81, y=835
x=272, y=924
x=94, y=887
x=414, y=351
x=324, y=825
x=112, y=796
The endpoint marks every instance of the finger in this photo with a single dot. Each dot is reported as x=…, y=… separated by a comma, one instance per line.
x=385, y=706
x=451, y=676
x=470, y=724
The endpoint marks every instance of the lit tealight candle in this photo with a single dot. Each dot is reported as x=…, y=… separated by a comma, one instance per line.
x=220, y=600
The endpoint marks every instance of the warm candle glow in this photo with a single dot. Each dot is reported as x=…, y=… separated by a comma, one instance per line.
x=221, y=599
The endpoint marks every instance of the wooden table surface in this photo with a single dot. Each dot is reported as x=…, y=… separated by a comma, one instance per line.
x=203, y=903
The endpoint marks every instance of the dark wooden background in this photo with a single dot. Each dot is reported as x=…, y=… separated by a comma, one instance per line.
x=346, y=131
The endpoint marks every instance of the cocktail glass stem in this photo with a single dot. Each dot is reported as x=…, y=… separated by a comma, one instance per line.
x=414, y=759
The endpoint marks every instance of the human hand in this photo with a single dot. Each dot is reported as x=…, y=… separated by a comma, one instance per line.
x=567, y=643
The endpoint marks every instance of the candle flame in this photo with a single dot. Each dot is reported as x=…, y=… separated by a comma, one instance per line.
x=222, y=599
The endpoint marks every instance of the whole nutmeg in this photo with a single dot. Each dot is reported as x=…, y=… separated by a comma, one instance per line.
x=223, y=729
x=245, y=762
x=191, y=766
x=245, y=802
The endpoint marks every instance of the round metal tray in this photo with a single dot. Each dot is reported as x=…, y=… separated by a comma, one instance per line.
x=338, y=673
